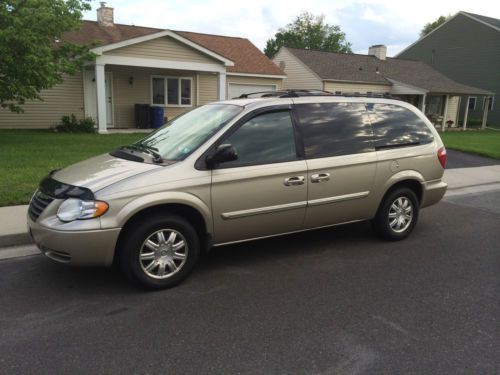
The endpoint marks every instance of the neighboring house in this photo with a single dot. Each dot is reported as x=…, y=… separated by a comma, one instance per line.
x=138, y=65
x=413, y=81
x=466, y=48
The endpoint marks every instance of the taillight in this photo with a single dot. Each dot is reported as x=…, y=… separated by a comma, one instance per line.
x=442, y=156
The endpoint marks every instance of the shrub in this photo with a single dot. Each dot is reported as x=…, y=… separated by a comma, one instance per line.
x=70, y=124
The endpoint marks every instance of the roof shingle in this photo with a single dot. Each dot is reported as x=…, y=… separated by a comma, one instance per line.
x=246, y=57
x=369, y=69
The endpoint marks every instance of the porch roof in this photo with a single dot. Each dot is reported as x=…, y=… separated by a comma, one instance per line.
x=246, y=57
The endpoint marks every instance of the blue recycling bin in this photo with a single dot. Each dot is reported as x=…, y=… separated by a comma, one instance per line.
x=156, y=117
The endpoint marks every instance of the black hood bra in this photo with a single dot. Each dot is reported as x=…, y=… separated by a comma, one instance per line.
x=60, y=190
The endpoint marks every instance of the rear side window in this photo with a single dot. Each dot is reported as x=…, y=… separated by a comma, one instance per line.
x=267, y=138
x=333, y=129
x=396, y=126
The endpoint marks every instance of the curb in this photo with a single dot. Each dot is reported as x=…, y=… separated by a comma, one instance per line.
x=15, y=240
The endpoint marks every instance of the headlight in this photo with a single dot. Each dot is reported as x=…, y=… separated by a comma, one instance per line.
x=74, y=209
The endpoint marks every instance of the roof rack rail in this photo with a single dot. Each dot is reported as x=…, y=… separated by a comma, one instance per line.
x=295, y=93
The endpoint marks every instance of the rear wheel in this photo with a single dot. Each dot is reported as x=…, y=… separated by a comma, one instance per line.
x=159, y=252
x=397, y=214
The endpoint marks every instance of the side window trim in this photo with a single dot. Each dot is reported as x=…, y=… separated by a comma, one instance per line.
x=200, y=163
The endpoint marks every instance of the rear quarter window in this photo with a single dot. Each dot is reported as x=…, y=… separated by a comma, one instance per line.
x=333, y=129
x=397, y=126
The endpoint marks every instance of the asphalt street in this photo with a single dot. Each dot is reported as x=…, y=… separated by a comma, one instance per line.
x=332, y=301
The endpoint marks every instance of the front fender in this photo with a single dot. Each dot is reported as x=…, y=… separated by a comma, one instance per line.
x=140, y=203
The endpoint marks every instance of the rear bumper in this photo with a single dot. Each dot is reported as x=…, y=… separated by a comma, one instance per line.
x=433, y=192
x=79, y=248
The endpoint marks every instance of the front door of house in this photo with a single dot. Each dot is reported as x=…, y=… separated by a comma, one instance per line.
x=91, y=96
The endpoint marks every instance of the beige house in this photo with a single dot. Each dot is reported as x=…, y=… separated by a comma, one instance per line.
x=176, y=70
x=413, y=81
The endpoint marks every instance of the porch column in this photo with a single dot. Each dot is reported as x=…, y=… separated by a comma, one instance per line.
x=446, y=103
x=222, y=86
x=485, y=111
x=424, y=98
x=466, y=112
x=100, y=81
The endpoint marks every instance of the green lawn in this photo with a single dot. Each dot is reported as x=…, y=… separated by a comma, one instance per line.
x=486, y=142
x=26, y=156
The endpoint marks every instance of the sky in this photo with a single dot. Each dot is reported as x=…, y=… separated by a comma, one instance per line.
x=394, y=23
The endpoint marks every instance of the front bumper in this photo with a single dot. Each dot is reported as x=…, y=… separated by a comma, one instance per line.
x=79, y=248
x=433, y=192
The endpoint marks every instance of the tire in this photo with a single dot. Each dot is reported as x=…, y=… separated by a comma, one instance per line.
x=159, y=252
x=397, y=215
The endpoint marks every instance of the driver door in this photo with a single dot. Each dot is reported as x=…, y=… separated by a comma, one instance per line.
x=264, y=191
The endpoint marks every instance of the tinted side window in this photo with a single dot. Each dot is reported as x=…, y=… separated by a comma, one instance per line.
x=331, y=129
x=268, y=138
x=394, y=126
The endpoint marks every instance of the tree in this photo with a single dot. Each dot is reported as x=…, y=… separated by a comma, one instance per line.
x=429, y=26
x=33, y=55
x=310, y=32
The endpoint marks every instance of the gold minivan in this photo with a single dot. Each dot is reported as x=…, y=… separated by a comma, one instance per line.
x=240, y=170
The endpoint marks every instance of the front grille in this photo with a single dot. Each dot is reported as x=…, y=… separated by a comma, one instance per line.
x=38, y=203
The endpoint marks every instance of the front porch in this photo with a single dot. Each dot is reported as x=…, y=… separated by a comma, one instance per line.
x=111, y=91
x=443, y=110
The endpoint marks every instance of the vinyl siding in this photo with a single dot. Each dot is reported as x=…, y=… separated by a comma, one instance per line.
x=298, y=76
x=468, y=52
x=277, y=82
x=63, y=99
x=356, y=87
x=208, y=88
x=126, y=96
x=165, y=48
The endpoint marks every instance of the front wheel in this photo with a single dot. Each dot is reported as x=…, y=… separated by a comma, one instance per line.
x=397, y=215
x=159, y=252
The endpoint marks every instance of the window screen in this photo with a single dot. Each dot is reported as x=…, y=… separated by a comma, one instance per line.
x=396, y=126
x=332, y=129
x=268, y=138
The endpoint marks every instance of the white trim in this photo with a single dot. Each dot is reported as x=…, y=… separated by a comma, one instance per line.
x=475, y=103
x=426, y=35
x=480, y=21
x=197, y=89
x=417, y=90
x=145, y=38
x=100, y=77
x=491, y=100
x=221, y=86
x=112, y=124
x=162, y=64
x=300, y=62
x=249, y=84
x=363, y=82
x=437, y=28
x=256, y=75
x=165, y=104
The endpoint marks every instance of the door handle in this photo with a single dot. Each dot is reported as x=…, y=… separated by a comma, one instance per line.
x=320, y=177
x=293, y=181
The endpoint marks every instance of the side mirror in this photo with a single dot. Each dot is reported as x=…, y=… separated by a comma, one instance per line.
x=223, y=154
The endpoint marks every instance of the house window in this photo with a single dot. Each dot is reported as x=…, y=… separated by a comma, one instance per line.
x=172, y=91
x=472, y=103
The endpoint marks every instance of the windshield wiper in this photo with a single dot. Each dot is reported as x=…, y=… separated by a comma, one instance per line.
x=153, y=151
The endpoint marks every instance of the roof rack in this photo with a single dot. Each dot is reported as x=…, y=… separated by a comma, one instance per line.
x=295, y=93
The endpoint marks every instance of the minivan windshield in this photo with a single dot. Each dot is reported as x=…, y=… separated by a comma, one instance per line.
x=181, y=136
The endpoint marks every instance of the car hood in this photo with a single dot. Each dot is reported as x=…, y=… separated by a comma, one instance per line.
x=101, y=171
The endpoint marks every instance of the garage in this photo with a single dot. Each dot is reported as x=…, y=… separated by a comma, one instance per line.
x=236, y=89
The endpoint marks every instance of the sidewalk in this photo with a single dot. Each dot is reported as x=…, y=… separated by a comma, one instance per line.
x=13, y=231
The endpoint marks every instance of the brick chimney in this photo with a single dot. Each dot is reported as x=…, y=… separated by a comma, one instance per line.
x=379, y=51
x=105, y=15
